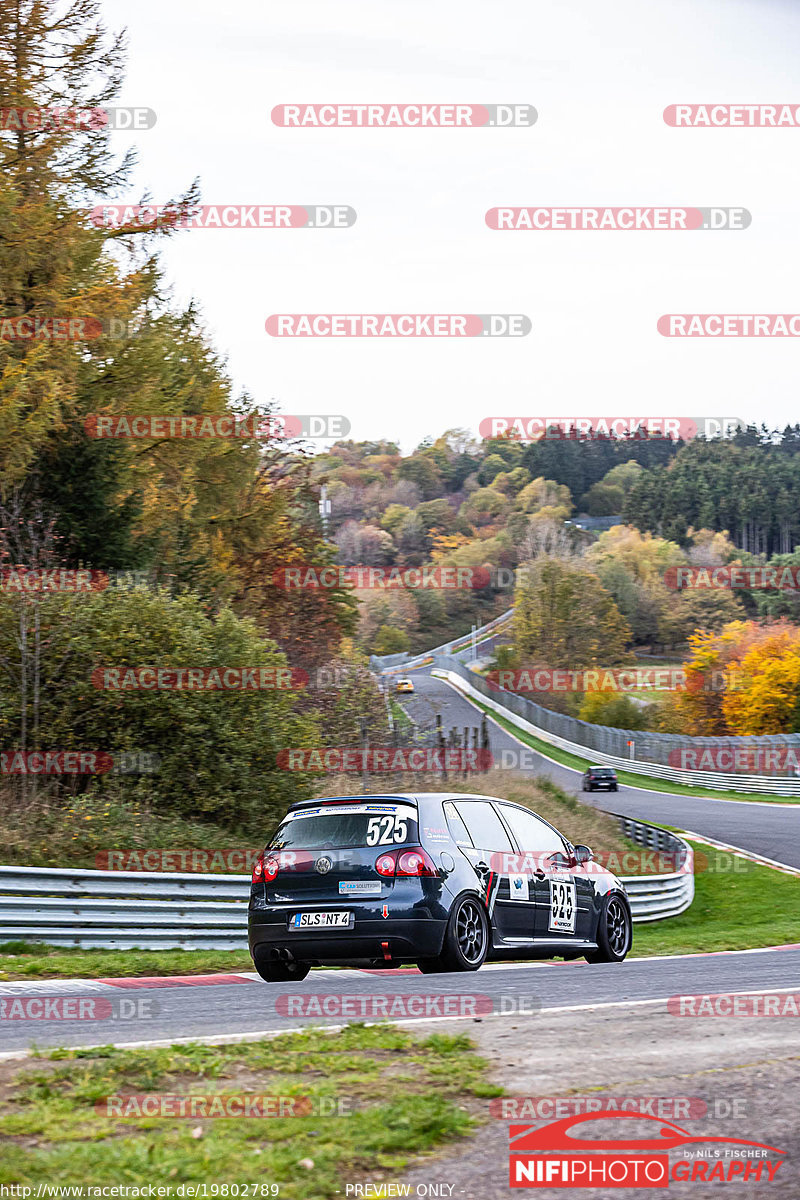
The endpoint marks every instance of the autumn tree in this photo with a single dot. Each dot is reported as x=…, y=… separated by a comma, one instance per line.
x=564, y=617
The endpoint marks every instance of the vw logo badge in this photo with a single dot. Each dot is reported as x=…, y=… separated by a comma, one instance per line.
x=323, y=865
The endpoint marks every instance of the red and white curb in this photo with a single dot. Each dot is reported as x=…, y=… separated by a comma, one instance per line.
x=110, y=987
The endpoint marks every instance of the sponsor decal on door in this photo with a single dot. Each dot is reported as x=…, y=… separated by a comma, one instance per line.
x=562, y=906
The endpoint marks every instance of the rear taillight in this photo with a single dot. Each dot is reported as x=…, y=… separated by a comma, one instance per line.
x=258, y=871
x=414, y=862
x=271, y=868
x=385, y=864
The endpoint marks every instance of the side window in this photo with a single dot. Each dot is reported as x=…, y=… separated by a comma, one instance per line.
x=456, y=826
x=484, y=825
x=532, y=833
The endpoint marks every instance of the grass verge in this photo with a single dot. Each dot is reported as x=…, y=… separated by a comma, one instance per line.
x=630, y=777
x=733, y=909
x=393, y=1098
x=79, y=831
x=30, y=960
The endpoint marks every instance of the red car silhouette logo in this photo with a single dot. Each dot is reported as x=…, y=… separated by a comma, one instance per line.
x=556, y=1136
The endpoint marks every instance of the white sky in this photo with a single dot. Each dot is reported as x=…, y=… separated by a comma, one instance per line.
x=600, y=76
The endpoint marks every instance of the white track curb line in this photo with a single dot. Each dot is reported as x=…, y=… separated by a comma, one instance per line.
x=759, y=859
x=232, y=1039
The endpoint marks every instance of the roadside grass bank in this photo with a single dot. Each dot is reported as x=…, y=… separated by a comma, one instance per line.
x=376, y=1098
x=45, y=831
x=81, y=832
x=733, y=909
x=35, y=960
x=629, y=777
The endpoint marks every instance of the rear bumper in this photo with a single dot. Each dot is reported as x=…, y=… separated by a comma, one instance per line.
x=406, y=940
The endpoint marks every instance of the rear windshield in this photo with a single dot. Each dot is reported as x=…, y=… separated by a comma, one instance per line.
x=603, y=772
x=348, y=828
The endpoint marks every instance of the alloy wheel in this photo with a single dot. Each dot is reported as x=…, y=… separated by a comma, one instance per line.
x=471, y=931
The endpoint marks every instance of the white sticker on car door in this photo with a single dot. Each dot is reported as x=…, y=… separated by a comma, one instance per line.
x=562, y=906
x=518, y=887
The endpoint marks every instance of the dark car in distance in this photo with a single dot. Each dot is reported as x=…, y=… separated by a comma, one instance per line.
x=443, y=880
x=600, y=778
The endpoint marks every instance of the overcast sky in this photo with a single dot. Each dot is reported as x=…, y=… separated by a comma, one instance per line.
x=600, y=77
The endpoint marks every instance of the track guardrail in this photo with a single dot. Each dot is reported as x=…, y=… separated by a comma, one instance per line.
x=115, y=910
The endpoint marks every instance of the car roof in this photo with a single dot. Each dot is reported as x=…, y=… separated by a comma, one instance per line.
x=352, y=799
x=425, y=797
x=409, y=797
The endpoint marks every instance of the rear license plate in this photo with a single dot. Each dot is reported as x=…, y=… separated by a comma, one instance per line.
x=321, y=920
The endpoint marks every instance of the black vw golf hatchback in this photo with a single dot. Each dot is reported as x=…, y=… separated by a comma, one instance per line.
x=444, y=881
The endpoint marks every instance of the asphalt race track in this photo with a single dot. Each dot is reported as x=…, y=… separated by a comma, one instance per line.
x=241, y=1004
x=182, y=1009
x=771, y=830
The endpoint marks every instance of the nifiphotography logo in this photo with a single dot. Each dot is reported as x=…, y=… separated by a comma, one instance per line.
x=555, y=1157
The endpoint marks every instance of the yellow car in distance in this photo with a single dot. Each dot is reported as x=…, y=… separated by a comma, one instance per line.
x=405, y=685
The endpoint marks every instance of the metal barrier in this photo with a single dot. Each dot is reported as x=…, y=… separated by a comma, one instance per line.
x=110, y=910
x=386, y=663
x=543, y=722
x=654, y=897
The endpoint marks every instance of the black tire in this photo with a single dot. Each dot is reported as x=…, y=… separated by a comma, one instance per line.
x=615, y=788
x=614, y=930
x=466, y=939
x=584, y=788
x=277, y=970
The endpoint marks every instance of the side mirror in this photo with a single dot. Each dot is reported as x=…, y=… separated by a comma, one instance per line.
x=583, y=854
x=558, y=862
